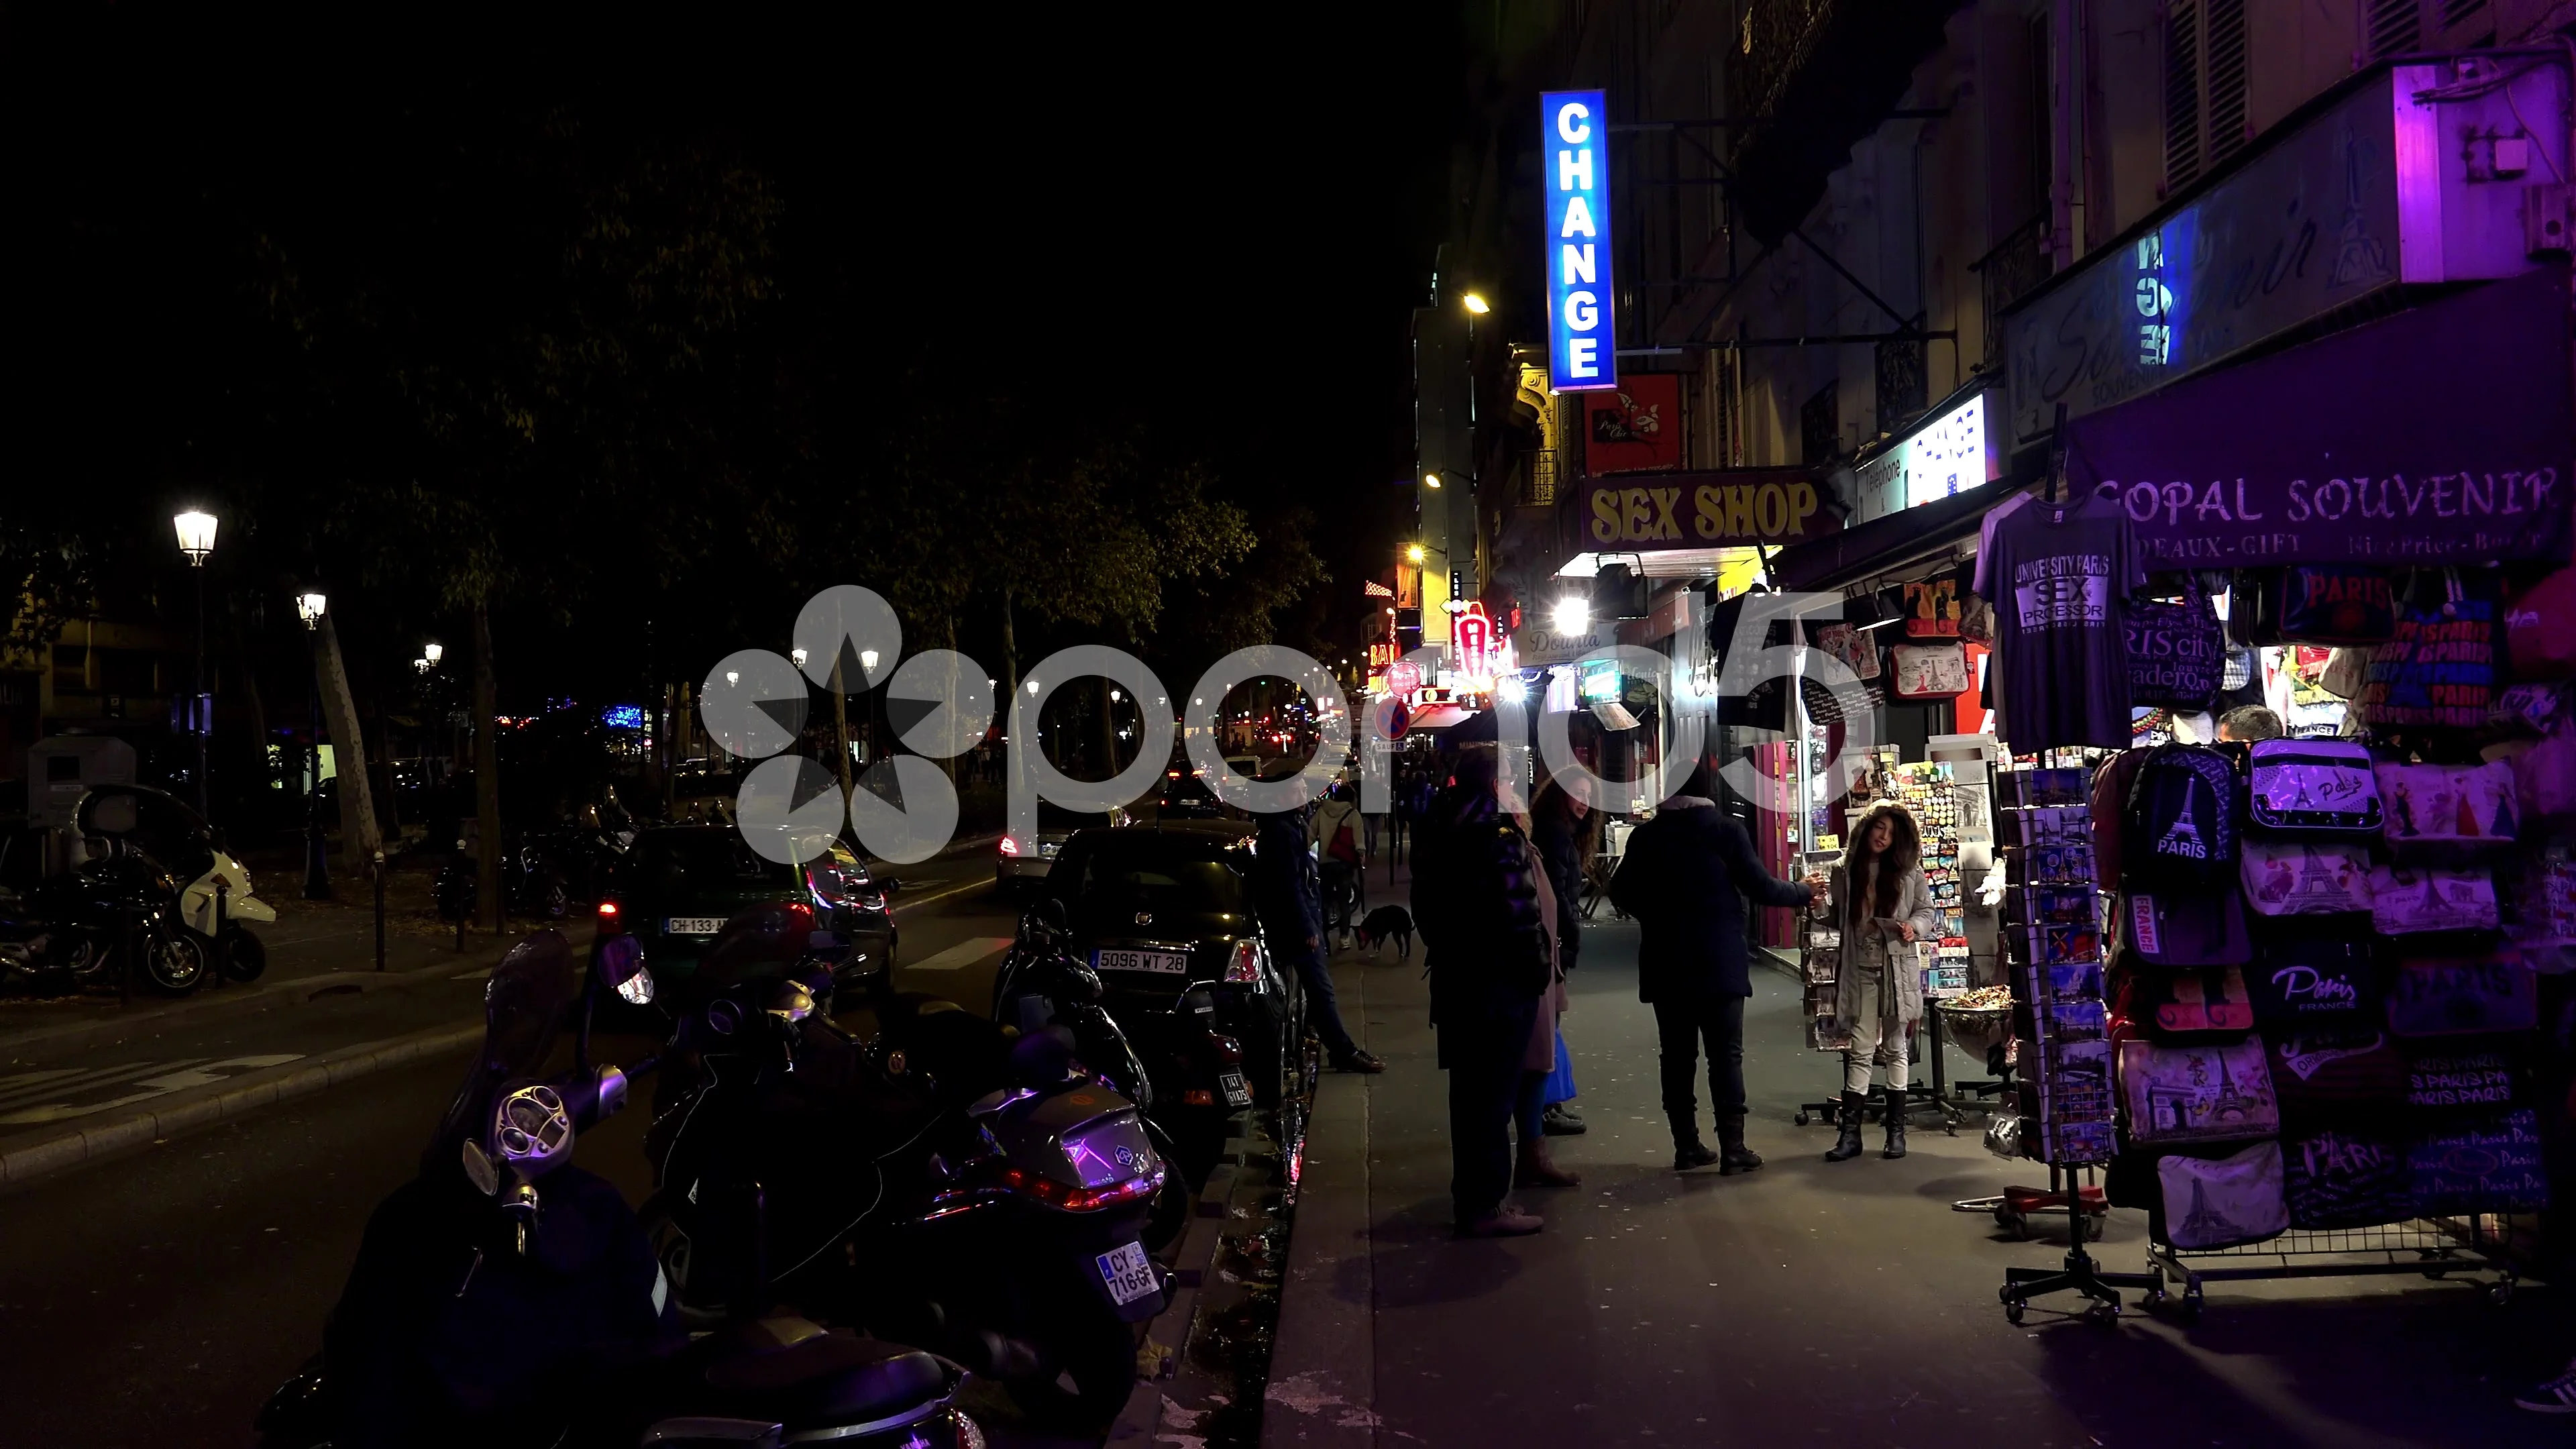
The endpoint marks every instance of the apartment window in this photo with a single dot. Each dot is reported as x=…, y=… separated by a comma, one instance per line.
x=2204, y=87
x=2396, y=27
x=71, y=666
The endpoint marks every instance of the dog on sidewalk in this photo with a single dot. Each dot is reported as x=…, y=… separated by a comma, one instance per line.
x=1387, y=923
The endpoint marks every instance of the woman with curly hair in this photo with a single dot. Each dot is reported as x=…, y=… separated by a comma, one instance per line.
x=1882, y=902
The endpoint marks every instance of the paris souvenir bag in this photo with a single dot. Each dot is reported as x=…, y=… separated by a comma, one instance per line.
x=2340, y=1178
x=2437, y=670
x=2544, y=776
x=2468, y=995
x=2310, y=790
x=2334, y=1074
x=2450, y=1081
x=2212, y=1093
x=2491, y=1165
x=2305, y=981
x=2436, y=811
x=2329, y=604
x=2409, y=900
x=2175, y=652
x=2544, y=925
x=1929, y=671
x=2182, y=819
x=1852, y=645
x=1932, y=608
x=2186, y=1006
x=2172, y=930
x=2286, y=878
x=2222, y=1202
x=2540, y=628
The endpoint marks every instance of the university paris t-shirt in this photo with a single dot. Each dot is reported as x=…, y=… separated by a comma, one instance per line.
x=2056, y=575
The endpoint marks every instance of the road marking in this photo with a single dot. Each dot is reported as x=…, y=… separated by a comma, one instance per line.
x=71, y=1081
x=962, y=955
x=161, y=1086
x=955, y=890
x=483, y=973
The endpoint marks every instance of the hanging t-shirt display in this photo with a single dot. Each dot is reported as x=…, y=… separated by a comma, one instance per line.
x=2057, y=574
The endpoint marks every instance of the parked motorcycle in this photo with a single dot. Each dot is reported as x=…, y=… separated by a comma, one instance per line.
x=937, y=1184
x=505, y=1297
x=531, y=884
x=1184, y=1074
x=73, y=932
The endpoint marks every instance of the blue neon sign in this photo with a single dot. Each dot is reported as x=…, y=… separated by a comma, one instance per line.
x=1574, y=150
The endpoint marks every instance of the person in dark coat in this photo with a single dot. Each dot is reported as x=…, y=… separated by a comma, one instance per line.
x=1475, y=901
x=1288, y=892
x=1564, y=829
x=1684, y=878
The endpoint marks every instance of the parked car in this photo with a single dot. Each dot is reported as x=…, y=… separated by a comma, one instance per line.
x=1164, y=910
x=678, y=886
x=1021, y=863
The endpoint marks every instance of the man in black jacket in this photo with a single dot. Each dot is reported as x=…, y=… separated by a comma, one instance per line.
x=1684, y=878
x=1476, y=905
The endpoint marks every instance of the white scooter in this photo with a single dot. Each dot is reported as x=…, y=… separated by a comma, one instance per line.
x=215, y=907
x=217, y=904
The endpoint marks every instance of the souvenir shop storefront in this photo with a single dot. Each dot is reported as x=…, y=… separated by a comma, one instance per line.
x=2279, y=817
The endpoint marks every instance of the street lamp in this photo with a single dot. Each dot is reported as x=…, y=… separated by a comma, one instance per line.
x=196, y=530
x=433, y=651
x=1430, y=480
x=309, y=607
x=1415, y=553
x=1476, y=304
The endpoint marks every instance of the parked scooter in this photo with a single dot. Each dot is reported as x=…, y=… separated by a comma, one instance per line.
x=1187, y=1078
x=937, y=1184
x=531, y=884
x=505, y=1297
x=139, y=844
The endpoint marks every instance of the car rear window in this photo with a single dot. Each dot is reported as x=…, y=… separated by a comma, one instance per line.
x=1149, y=875
x=710, y=858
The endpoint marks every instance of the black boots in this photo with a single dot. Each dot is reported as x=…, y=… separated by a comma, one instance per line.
x=1894, y=1116
x=1847, y=1145
x=1688, y=1150
x=1732, y=1155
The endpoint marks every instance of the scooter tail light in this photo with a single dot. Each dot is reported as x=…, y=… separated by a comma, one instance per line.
x=608, y=913
x=1244, y=966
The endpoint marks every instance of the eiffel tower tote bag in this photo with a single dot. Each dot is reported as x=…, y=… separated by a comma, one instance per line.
x=2220, y=1202
x=2310, y=790
x=2212, y=1093
x=2285, y=878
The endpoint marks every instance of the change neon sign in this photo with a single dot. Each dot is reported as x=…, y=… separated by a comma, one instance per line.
x=1574, y=142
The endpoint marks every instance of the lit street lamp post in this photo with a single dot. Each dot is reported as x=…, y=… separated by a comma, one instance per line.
x=196, y=530
x=317, y=868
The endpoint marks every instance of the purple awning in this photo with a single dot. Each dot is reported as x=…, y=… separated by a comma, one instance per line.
x=2441, y=435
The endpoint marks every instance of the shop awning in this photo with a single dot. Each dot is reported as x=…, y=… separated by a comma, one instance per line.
x=1884, y=545
x=1438, y=717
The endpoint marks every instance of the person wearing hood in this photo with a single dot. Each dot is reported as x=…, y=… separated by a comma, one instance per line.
x=1288, y=894
x=1684, y=878
x=1882, y=903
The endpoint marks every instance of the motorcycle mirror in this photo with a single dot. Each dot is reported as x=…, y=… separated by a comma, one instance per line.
x=619, y=961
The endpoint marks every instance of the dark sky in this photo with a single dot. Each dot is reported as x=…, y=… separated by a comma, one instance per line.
x=1216, y=226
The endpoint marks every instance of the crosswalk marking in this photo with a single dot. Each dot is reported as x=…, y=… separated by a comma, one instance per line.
x=964, y=954
x=177, y=1076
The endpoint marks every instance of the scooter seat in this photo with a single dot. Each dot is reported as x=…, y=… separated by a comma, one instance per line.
x=799, y=1370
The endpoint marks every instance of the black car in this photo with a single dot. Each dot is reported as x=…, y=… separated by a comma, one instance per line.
x=678, y=886
x=1165, y=909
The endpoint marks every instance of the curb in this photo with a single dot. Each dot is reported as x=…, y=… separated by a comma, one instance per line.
x=1224, y=1202
x=21, y=1166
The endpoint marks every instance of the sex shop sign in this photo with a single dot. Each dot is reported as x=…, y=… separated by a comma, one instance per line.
x=2442, y=435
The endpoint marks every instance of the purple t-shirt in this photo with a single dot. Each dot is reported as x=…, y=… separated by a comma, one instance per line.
x=2056, y=575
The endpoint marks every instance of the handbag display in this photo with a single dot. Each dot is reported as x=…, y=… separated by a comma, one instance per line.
x=1932, y=608
x=1929, y=671
x=2540, y=628
x=2175, y=652
x=2440, y=1080
x=2337, y=1074
x=2463, y=995
x=2306, y=981
x=2222, y=1202
x=2310, y=789
x=2346, y=1179
x=2408, y=900
x=2182, y=826
x=2215, y=1093
x=2175, y=930
x=2286, y=879
x=2193, y=1005
x=1852, y=645
x=2330, y=604
x=2492, y=1166
x=2437, y=810
x=2437, y=670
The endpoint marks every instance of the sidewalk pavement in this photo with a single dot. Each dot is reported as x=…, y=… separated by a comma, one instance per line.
x=1806, y=1302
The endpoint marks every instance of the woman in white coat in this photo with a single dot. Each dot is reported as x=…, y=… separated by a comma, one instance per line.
x=1882, y=902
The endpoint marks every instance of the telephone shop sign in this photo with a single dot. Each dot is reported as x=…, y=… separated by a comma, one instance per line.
x=1574, y=149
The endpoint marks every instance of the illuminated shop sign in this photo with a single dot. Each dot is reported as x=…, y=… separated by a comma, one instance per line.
x=1950, y=454
x=1600, y=681
x=1575, y=151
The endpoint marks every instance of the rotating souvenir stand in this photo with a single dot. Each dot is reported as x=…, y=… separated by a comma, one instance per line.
x=2053, y=953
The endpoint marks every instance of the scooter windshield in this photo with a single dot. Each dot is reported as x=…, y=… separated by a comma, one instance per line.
x=523, y=1009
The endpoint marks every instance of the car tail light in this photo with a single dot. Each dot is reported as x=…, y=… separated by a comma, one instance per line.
x=1010, y=846
x=1244, y=966
x=608, y=917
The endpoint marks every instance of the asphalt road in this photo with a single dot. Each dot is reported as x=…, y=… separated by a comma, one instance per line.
x=157, y=1299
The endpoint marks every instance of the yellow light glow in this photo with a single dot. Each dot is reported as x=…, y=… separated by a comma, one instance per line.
x=1476, y=304
x=1415, y=553
x=1430, y=480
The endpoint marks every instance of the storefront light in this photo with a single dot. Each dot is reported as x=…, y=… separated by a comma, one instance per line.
x=1571, y=615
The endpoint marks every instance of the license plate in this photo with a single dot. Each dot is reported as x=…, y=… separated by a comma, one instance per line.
x=693, y=925
x=1129, y=1273
x=1167, y=963
x=1236, y=1095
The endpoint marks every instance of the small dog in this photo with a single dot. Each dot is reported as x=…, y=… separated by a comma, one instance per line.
x=1388, y=923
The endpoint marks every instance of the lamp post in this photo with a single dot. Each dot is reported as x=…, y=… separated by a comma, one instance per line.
x=317, y=869
x=196, y=530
